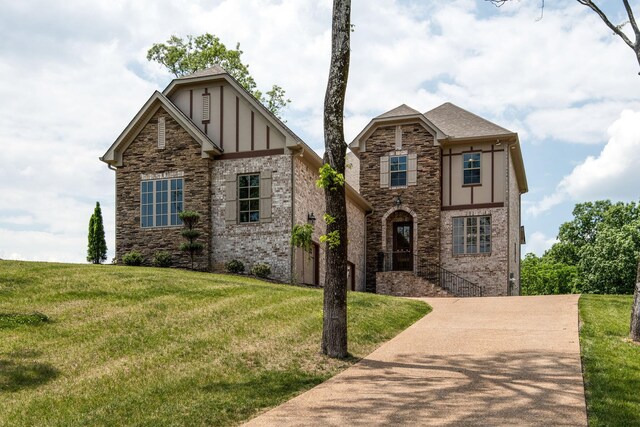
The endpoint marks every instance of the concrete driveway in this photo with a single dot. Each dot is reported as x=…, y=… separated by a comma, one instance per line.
x=477, y=361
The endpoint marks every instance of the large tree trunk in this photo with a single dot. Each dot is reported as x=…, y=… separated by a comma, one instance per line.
x=635, y=310
x=334, y=327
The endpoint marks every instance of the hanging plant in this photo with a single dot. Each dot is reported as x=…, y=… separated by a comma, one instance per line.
x=301, y=236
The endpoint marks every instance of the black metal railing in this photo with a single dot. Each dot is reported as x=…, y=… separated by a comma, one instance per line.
x=407, y=261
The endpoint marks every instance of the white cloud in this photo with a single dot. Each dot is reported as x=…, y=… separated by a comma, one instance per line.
x=538, y=243
x=610, y=175
x=75, y=73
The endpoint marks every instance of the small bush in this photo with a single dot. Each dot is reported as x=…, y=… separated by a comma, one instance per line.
x=234, y=266
x=261, y=270
x=162, y=259
x=133, y=258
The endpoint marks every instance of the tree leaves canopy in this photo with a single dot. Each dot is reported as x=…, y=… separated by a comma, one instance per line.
x=186, y=56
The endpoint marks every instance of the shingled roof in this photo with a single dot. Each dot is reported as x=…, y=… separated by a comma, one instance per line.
x=211, y=71
x=457, y=122
x=402, y=110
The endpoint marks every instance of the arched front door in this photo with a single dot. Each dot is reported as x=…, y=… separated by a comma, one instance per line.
x=403, y=246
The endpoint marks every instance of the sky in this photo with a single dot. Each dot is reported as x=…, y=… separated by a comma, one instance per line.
x=74, y=73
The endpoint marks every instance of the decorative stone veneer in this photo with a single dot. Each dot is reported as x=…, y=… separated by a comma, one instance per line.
x=487, y=270
x=181, y=153
x=254, y=243
x=422, y=199
x=406, y=284
x=308, y=198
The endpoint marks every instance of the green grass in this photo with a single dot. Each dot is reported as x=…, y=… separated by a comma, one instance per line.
x=148, y=347
x=611, y=362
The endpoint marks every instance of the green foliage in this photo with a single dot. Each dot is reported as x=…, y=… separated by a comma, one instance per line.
x=329, y=178
x=133, y=258
x=611, y=362
x=261, y=270
x=190, y=220
x=301, y=236
x=602, y=243
x=97, y=247
x=186, y=56
x=332, y=239
x=329, y=219
x=234, y=266
x=544, y=276
x=162, y=259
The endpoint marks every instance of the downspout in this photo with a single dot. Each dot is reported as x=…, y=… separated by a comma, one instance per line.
x=366, y=217
x=508, y=203
x=115, y=213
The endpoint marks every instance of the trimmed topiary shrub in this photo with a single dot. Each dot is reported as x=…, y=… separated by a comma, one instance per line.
x=261, y=270
x=234, y=266
x=162, y=259
x=133, y=258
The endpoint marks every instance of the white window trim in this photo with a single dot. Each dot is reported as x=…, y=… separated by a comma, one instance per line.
x=479, y=168
x=406, y=171
x=153, y=204
x=466, y=234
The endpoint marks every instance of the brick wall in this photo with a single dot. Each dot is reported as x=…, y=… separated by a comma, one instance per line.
x=423, y=199
x=181, y=154
x=487, y=270
x=310, y=198
x=514, y=227
x=252, y=243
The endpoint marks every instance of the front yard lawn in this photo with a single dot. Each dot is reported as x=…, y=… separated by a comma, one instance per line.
x=611, y=362
x=107, y=345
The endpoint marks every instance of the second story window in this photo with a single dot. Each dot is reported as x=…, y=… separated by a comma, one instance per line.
x=398, y=170
x=471, y=168
x=249, y=198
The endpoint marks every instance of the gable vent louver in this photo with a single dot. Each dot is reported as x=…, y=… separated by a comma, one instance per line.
x=161, y=133
x=206, y=108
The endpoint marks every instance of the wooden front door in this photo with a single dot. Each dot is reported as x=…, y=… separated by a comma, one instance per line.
x=403, y=246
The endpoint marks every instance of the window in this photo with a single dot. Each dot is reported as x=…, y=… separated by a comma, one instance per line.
x=398, y=170
x=472, y=235
x=249, y=198
x=161, y=202
x=471, y=168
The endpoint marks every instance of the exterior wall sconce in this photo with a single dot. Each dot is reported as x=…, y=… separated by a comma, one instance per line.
x=398, y=201
x=311, y=218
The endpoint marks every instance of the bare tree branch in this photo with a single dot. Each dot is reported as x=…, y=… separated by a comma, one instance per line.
x=591, y=5
x=632, y=20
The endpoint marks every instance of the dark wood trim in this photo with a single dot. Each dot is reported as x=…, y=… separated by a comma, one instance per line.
x=237, y=124
x=191, y=103
x=471, y=185
x=450, y=182
x=493, y=174
x=477, y=206
x=252, y=132
x=221, y=116
x=268, y=137
x=472, y=193
x=205, y=127
x=249, y=154
x=475, y=151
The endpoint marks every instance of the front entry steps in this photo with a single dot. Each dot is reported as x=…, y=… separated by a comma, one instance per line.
x=407, y=284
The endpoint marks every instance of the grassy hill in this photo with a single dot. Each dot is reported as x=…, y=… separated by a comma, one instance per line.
x=114, y=345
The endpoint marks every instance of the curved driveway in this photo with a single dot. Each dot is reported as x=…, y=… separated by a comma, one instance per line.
x=501, y=361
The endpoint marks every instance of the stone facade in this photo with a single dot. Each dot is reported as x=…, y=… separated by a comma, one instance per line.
x=308, y=198
x=182, y=154
x=420, y=202
x=486, y=270
x=407, y=284
x=263, y=242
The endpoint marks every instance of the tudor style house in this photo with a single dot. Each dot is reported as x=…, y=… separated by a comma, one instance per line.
x=445, y=187
x=433, y=206
x=206, y=144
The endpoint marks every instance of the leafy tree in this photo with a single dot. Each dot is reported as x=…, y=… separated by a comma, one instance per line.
x=543, y=276
x=186, y=56
x=334, y=325
x=635, y=309
x=97, y=248
x=190, y=219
